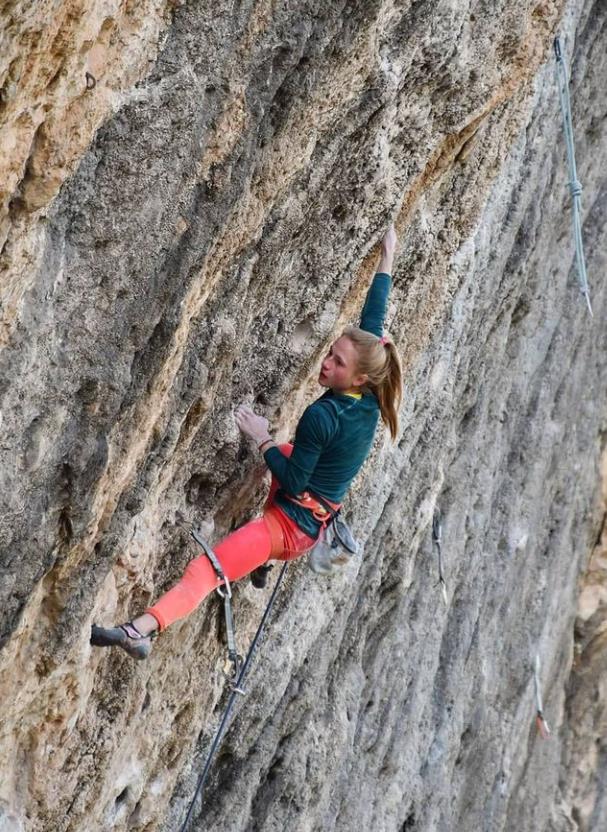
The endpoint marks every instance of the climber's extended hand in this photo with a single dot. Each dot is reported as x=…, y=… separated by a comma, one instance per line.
x=251, y=424
x=388, y=247
x=389, y=241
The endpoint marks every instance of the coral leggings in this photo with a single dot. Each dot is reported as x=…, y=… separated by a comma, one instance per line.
x=274, y=535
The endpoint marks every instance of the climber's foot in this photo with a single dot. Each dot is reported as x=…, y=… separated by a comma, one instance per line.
x=259, y=576
x=126, y=636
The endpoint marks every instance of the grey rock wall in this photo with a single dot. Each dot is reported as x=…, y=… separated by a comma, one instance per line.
x=215, y=235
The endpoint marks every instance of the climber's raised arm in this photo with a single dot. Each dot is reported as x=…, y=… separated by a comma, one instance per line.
x=376, y=303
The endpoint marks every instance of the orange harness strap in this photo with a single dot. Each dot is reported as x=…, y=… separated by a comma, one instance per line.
x=319, y=512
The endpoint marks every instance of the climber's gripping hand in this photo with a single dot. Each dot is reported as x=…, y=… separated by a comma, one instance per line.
x=389, y=241
x=251, y=424
x=388, y=248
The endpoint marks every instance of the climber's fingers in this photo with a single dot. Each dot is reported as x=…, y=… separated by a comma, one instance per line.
x=389, y=240
x=249, y=422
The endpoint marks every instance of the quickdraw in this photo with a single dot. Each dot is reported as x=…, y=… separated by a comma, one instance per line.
x=437, y=533
x=575, y=186
x=540, y=719
x=225, y=592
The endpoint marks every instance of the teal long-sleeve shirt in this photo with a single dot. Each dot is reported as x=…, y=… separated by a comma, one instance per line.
x=334, y=435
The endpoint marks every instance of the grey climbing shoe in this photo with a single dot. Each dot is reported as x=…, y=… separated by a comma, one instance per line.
x=259, y=576
x=126, y=636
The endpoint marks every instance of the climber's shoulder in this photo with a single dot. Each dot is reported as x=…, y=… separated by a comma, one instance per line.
x=321, y=419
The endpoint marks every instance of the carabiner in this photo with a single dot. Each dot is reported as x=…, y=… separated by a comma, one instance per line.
x=228, y=589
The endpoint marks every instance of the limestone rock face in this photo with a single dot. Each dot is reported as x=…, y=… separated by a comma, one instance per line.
x=65, y=65
x=190, y=232
x=586, y=724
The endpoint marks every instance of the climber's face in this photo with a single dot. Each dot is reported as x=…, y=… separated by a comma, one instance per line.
x=339, y=368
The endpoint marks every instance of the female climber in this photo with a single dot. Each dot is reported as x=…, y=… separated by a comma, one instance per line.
x=362, y=374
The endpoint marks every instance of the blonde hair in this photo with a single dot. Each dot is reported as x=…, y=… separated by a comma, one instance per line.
x=379, y=360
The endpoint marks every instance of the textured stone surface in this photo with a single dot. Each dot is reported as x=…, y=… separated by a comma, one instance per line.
x=216, y=233
x=586, y=725
x=64, y=66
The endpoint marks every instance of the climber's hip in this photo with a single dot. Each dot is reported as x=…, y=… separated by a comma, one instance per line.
x=287, y=539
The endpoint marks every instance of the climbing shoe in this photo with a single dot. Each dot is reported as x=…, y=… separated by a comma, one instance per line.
x=259, y=576
x=126, y=636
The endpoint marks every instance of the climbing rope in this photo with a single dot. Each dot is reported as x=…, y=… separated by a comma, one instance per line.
x=575, y=186
x=236, y=688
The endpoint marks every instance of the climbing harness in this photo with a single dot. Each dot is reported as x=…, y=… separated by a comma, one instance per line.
x=236, y=688
x=575, y=186
x=335, y=547
x=437, y=533
x=225, y=593
x=336, y=544
x=540, y=720
x=322, y=510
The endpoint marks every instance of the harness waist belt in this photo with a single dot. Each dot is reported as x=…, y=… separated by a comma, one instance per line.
x=309, y=501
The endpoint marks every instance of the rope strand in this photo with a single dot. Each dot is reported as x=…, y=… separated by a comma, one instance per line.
x=238, y=685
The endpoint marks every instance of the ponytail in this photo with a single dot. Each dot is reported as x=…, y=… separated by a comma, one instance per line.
x=378, y=359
